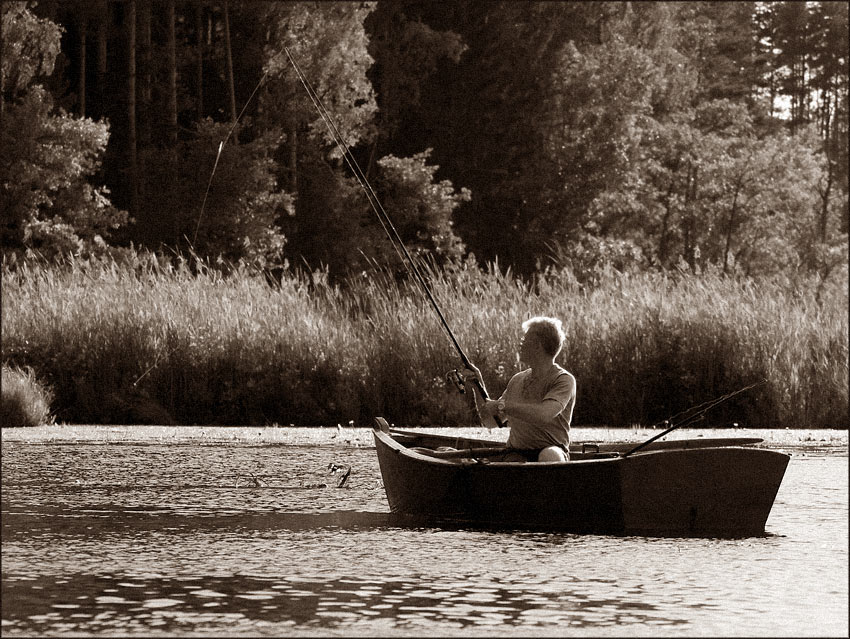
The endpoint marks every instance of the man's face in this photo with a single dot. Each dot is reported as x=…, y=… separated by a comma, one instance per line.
x=528, y=347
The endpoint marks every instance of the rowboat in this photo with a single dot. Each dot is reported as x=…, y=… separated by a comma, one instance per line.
x=694, y=488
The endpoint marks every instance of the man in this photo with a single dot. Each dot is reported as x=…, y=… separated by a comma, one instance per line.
x=538, y=402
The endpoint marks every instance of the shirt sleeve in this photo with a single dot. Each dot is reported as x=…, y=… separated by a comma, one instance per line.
x=509, y=389
x=562, y=390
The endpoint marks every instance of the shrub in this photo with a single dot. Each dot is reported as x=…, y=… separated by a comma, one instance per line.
x=24, y=401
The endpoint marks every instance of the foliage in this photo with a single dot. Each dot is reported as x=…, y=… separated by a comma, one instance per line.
x=24, y=401
x=407, y=52
x=421, y=208
x=333, y=222
x=30, y=47
x=719, y=39
x=329, y=44
x=571, y=125
x=708, y=190
x=48, y=203
x=490, y=112
x=599, y=99
x=237, y=219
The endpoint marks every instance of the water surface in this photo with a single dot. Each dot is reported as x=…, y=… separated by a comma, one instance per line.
x=194, y=538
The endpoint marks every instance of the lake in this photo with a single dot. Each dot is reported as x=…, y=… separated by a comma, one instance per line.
x=209, y=532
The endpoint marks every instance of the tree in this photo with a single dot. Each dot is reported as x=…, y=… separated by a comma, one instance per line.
x=421, y=207
x=48, y=205
x=720, y=40
x=565, y=126
x=599, y=99
x=239, y=221
x=407, y=52
x=331, y=218
x=132, y=150
x=228, y=51
x=708, y=190
x=505, y=121
x=830, y=82
x=488, y=112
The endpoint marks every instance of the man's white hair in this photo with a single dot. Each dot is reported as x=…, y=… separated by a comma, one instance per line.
x=549, y=331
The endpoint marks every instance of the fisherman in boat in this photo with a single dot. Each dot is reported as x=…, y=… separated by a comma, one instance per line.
x=538, y=402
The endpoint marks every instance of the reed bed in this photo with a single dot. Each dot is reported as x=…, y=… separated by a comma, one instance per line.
x=146, y=341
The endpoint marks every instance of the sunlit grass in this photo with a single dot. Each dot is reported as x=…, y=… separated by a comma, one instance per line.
x=126, y=343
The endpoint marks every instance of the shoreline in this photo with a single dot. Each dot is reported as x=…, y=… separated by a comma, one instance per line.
x=831, y=440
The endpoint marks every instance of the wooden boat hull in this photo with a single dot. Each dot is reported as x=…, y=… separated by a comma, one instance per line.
x=724, y=492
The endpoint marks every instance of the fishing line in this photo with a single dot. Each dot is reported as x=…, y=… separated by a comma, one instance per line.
x=375, y=203
x=383, y=216
x=218, y=155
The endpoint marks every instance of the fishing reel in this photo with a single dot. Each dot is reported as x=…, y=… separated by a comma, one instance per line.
x=454, y=377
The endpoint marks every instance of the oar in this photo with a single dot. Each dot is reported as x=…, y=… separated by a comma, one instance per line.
x=464, y=452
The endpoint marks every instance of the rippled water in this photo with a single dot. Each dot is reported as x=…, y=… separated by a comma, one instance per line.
x=230, y=539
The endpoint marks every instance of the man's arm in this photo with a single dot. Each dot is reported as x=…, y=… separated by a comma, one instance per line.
x=546, y=410
x=533, y=412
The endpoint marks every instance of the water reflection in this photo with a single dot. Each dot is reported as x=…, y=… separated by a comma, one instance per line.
x=101, y=603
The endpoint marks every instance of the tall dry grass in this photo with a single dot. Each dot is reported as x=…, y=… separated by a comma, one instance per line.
x=149, y=342
x=24, y=400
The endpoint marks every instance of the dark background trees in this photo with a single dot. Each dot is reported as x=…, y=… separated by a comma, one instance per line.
x=641, y=135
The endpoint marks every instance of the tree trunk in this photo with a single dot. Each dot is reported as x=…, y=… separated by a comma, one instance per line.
x=199, y=32
x=825, y=194
x=82, y=86
x=145, y=35
x=293, y=158
x=690, y=240
x=131, y=103
x=230, y=86
x=663, y=241
x=171, y=125
x=2, y=85
x=171, y=56
x=730, y=230
x=102, y=35
x=144, y=11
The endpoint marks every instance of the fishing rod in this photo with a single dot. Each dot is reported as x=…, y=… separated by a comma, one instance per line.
x=383, y=216
x=708, y=406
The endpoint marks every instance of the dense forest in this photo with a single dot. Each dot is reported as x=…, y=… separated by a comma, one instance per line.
x=634, y=135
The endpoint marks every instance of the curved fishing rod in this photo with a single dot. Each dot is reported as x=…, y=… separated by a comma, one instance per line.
x=707, y=406
x=383, y=216
x=377, y=207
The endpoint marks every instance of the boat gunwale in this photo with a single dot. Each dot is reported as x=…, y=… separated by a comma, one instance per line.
x=601, y=447
x=472, y=460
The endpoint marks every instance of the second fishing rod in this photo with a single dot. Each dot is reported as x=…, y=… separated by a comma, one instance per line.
x=383, y=216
